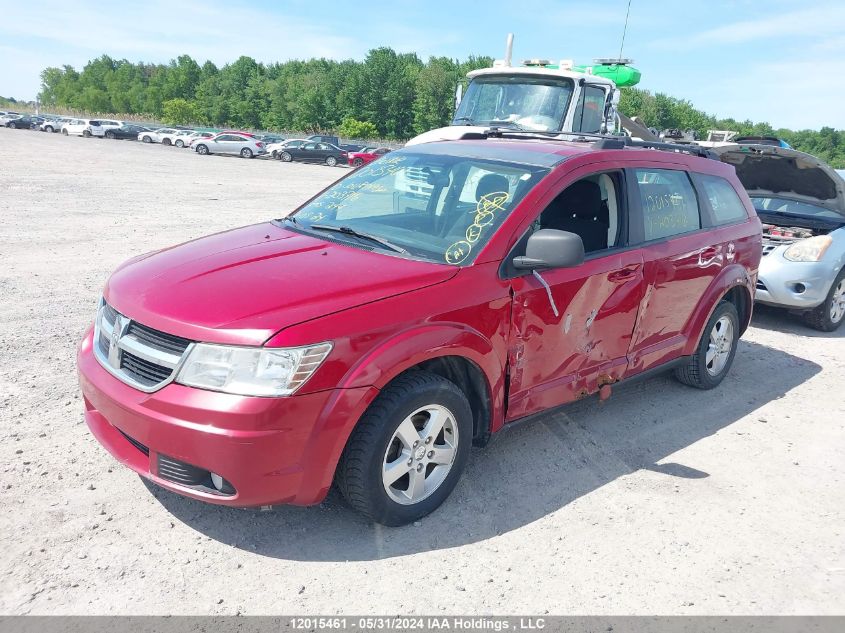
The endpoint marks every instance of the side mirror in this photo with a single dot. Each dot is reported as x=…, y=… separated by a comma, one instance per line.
x=550, y=248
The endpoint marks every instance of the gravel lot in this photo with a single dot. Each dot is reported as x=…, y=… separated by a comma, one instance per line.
x=663, y=500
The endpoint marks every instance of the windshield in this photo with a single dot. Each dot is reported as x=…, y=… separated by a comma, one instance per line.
x=532, y=103
x=792, y=207
x=426, y=206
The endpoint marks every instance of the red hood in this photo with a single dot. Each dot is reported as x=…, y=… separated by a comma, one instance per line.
x=244, y=285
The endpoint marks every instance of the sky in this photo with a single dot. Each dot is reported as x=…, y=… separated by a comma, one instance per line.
x=779, y=61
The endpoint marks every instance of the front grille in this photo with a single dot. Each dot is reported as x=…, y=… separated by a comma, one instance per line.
x=162, y=340
x=143, y=370
x=761, y=285
x=144, y=357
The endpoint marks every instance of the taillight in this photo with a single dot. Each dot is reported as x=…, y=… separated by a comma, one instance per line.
x=259, y=144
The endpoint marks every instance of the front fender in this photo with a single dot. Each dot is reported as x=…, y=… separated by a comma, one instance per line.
x=732, y=276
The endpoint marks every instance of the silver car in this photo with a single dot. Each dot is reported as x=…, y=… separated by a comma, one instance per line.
x=228, y=143
x=801, y=203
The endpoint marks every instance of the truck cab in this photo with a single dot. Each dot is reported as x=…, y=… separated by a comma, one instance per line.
x=538, y=96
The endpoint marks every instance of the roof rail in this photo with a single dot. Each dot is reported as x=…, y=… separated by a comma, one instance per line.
x=599, y=141
x=618, y=142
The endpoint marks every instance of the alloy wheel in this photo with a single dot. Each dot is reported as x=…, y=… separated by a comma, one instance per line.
x=420, y=454
x=719, y=347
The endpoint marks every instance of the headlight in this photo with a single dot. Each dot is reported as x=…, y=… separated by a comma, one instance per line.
x=251, y=371
x=810, y=250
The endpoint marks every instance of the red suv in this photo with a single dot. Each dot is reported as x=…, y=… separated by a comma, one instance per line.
x=373, y=336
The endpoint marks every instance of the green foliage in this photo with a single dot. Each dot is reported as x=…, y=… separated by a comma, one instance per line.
x=396, y=94
x=353, y=128
x=661, y=111
x=179, y=111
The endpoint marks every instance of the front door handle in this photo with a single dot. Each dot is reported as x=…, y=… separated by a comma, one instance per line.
x=618, y=276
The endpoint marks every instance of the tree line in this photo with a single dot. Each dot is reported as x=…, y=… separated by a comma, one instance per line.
x=387, y=95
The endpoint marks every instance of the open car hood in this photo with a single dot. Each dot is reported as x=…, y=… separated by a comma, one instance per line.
x=766, y=170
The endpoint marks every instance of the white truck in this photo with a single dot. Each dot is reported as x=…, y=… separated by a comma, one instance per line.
x=539, y=96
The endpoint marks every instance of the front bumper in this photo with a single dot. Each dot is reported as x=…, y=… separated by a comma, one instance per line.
x=271, y=450
x=796, y=285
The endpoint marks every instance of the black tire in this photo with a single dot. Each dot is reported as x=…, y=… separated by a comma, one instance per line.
x=165, y=141
x=64, y=132
x=11, y=124
x=821, y=318
x=110, y=134
x=359, y=472
x=695, y=372
x=146, y=139
x=179, y=143
x=331, y=161
x=86, y=133
x=202, y=149
x=274, y=154
x=285, y=157
x=246, y=153
x=49, y=128
x=357, y=162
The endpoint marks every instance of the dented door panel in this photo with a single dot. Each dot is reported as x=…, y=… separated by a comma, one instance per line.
x=555, y=359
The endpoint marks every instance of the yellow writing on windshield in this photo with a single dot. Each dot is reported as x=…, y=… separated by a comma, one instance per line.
x=485, y=210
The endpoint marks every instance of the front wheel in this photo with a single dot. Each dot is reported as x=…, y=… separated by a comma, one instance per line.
x=285, y=157
x=86, y=133
x=49, y=128
x=202, y=149
x=246, y=153
x=830, y=314
x=147, y=139
x=357, y=162
x=165, y=141
x=715, y=353
x=110, y=135
x=12, y=125
x=408, y=450
x=179, y=143
x=331, y=161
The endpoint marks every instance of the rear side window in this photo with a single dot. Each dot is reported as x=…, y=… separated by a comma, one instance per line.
x=669, y=203
x=724, y=201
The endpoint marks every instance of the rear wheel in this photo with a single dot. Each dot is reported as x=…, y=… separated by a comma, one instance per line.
x=331, y=161
x=49, y=128
x=179, y=143
x=202, y=149
x=714, y=355
x=165, y=141
x=86, y=133
x=110, y=134
x=246, y=153
x=12, y=125
x=408, y=450
x=357, y=162
x=830, y=314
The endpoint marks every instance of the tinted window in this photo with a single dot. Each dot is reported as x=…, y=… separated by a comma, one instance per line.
x=725, y=203
x=669, y=204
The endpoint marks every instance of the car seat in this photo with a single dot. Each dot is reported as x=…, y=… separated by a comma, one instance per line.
x=580, y=209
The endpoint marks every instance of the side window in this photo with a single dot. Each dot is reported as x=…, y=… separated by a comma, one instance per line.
x=724, y=201
x=590, y=110
x=590, y=207
x=310, y=146
x=669, y=203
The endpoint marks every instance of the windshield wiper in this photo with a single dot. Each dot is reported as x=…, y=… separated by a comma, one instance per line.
x=346, y=230
x=467, y=119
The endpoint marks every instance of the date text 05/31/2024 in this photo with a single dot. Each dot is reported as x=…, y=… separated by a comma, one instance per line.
x=423, y=623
